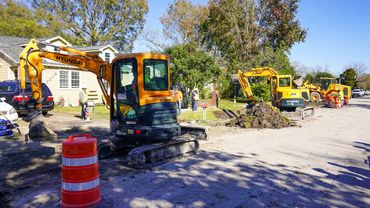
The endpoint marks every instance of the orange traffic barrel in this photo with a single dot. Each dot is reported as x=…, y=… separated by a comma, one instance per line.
x=338, y=103
x=80, y=172
x=346, y=100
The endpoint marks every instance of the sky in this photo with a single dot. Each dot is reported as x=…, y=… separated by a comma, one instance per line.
x=338, y=32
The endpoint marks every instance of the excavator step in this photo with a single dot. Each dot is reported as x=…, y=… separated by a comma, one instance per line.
x=300, y=114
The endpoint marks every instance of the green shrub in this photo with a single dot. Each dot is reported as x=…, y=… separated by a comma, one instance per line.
x=261, y=91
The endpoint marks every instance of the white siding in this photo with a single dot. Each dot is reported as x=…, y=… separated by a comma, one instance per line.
x=111, y=54
x=71, y=96
x=5, y=72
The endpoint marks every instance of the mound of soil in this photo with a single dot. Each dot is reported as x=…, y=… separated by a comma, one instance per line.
x=261, y=115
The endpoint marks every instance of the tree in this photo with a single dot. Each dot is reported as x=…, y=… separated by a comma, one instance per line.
x=349, y=77
x=278, y=24
x=231, y=29
x=277, y=60
x=182, y=20
x=93, y=22
x=359, y=67
x=192, y=67
x=17, y=20
x=313, y=75
x=154, y=40
x=364, y=81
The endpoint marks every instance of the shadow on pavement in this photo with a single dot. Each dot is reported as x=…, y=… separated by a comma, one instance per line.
x=208, y=179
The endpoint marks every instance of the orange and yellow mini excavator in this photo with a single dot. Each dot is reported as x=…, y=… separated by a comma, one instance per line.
x=136, y=89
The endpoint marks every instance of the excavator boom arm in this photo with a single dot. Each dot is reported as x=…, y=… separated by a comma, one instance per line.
x=31, y=62
x=254, y=72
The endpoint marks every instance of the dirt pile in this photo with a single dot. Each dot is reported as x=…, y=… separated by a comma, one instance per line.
x=261, y=115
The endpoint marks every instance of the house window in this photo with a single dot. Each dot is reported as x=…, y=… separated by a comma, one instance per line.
x=75, y=79
x=107, y=57
x=56, y=49
x=63, y=79
x=69, y=79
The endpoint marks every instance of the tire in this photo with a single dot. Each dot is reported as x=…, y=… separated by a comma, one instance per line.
x=315, y=97
x=44, y=113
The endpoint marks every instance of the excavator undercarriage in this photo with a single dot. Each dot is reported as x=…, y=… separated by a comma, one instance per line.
x=146, y=155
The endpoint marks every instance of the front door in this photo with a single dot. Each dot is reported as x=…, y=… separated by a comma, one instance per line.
x=127, y=97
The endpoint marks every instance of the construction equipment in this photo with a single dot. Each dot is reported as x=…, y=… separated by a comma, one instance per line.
x=294, y=102
x=136, y=89
x=320, y=91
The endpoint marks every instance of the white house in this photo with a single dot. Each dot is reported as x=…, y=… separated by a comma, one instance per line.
x=63, y=80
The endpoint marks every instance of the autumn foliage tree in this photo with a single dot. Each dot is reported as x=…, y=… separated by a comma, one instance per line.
x=182, y=20
x=93, y=22
x=18, y=20
x=278, y=23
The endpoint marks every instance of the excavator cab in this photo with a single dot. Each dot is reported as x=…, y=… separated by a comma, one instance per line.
x=326, y=82
x=144, y=109
x=287, y=97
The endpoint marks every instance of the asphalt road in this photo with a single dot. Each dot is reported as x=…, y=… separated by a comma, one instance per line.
x=322, y=163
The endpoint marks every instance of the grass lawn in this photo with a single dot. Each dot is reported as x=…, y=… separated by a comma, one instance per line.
x=100, y=111
x=211, y=112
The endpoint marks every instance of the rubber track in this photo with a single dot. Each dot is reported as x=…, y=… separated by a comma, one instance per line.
x=135, y=154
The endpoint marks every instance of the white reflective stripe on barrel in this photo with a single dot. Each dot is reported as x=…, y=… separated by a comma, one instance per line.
x=80, y=186
x=80, y=161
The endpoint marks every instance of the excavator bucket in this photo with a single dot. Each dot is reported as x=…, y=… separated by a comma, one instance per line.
x=300, y=114
x=298, y=81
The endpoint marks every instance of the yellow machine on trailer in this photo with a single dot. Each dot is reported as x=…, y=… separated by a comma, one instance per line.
x=136, y=89
x=283, y=95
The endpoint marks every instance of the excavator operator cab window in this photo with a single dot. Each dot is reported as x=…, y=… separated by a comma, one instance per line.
x=155, y=75
x=127, y=92
x=325, y=83
x=284, y=82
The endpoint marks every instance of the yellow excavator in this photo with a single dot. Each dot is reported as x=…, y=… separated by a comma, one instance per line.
x=143, y=114
x=283, y=95
x=326, y=87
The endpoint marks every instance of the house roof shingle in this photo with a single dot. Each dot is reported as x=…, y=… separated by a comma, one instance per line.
x=95, y=48
x=10, y=47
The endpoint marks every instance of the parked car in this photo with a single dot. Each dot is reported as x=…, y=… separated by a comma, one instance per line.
x=7, y=112
x=358, y=93
x=367, y=92
x=12, y=93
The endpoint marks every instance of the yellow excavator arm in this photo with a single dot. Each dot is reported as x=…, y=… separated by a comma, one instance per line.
x=31, y=63
x=254, y=72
